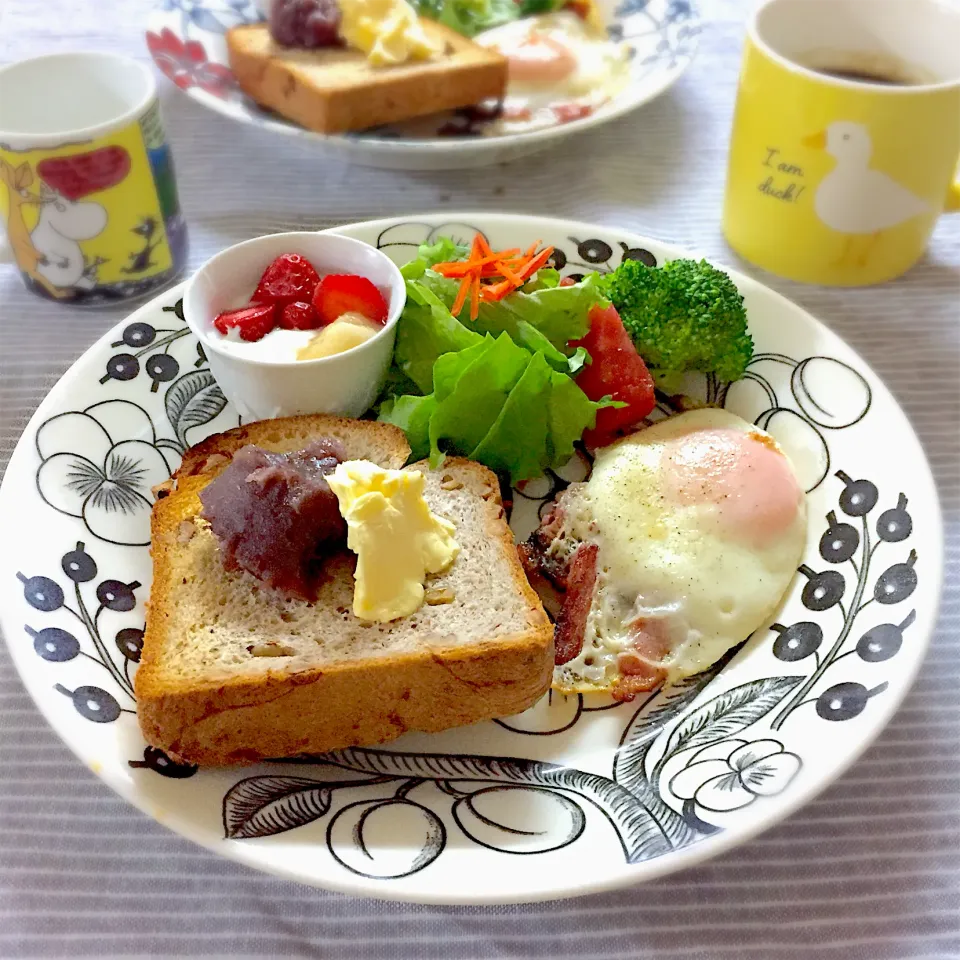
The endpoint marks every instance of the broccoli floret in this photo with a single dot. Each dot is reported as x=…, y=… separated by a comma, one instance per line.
x=683, y=316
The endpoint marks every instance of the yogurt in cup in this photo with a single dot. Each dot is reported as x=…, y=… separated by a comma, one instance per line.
x=263, y=379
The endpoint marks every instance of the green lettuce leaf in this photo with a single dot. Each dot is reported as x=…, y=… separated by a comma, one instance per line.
x=561, y=314
x=479, y=391
x=442, y=250
x=545, y=279
x=412, y=415
x=449, y=368
x=516, y=444
x=500, y=389
x=578, y=361
x=532, y=7
x=469, y=17
x=570, y=413
x=425, y=331
x=397, y=384
x=530, y=337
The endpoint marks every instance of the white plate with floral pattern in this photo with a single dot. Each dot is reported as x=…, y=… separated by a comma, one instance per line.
x=578, y=794
x=186, y=39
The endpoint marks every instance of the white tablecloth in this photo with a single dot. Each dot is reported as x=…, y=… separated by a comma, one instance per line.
x=870, y=870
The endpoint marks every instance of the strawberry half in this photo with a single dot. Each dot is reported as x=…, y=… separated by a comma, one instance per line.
x=252, y=323
x=299, y=316
x=289, y=278
x=340, y=293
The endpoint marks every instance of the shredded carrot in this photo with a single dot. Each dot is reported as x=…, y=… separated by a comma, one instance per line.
x=535, y=264
x=460, y=267
x=480, y=241
x=475, y=297
x=496, y=291
x=461, y=296
x=508, y=274
x=506, y=271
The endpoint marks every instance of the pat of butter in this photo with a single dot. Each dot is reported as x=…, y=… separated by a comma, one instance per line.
x=344, y=333
x=398, y=540
x=387, y=31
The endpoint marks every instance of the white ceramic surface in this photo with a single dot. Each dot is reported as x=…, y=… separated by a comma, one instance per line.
x=576, y=795
x=186, y=39
x=259, y=387
x=921, y=36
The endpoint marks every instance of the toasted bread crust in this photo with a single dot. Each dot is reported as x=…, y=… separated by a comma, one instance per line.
x=334, y=90
x=211, y=455
x=285, y=712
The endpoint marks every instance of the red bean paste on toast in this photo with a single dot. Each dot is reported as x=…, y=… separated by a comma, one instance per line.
x=275, y=515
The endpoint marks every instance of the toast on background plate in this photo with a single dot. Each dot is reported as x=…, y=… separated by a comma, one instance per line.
x=335, y=89
x=234, y=672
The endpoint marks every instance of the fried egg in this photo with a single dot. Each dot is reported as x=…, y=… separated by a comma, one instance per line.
x=559, y=67
x=700, y=522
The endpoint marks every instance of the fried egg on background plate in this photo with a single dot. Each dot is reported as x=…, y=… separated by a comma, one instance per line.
x=700, y=523
x=559, y=66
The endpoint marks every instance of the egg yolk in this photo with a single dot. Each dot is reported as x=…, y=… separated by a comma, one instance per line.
x=742, y=476
x=538, y=58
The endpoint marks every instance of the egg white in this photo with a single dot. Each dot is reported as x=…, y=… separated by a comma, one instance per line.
x=660, y=559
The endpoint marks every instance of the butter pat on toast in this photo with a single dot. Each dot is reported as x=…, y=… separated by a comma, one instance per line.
x=335, y=89
x=234, y=672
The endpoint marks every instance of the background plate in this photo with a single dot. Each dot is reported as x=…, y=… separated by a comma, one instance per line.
x=575, y=796
x=186, y=40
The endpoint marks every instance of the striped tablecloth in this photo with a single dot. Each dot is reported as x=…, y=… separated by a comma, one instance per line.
x=869, y=870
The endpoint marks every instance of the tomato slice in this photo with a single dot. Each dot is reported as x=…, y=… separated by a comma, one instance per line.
x=340, y=293
x=617, y=371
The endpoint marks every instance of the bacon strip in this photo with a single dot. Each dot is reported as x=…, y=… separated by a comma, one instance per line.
x=638, y=670
x=572, y=620
x=536, y=556
x=627, y=687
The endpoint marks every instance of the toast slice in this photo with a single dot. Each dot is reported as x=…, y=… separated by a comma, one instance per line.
x=335, y=89
x=233, y=672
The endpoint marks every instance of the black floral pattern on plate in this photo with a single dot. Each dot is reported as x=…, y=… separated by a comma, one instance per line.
x=58, y=645
x=849, y=544
x=481, y=789
x=105, y=460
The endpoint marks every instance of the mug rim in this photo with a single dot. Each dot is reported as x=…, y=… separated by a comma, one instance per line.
x=39, y=141
x=898, y=89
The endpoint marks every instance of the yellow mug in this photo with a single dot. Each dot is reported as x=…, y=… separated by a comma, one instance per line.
x=87, y=190
x=846, y=137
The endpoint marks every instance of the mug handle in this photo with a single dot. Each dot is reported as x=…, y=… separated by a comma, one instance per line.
x=952, y=204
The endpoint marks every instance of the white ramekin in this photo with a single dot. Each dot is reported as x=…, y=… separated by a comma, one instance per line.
x=346, y=383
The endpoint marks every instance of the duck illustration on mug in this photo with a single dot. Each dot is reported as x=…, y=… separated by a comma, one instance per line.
x=855, y=199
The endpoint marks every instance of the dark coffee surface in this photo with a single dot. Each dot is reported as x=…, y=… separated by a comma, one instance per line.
x=861, y=76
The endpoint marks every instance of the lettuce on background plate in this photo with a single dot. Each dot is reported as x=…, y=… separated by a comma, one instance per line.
x=470, y=17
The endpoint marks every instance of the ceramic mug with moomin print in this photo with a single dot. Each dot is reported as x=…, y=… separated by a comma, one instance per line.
x=87, y=190
x=846, y=137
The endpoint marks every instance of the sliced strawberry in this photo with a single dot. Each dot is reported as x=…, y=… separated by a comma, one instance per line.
x=289, y=278
x=252, y=323
x=340, y=293
x=299, y=316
